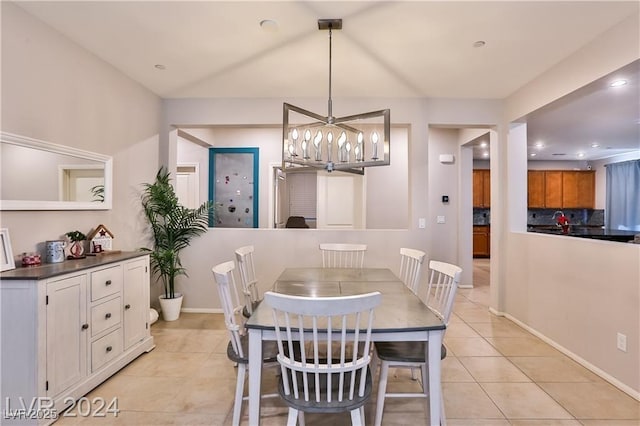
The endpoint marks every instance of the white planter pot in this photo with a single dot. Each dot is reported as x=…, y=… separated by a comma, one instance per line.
x=171, y=307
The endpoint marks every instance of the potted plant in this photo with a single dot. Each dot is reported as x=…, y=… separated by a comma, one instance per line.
x=172, y=226
x=77, y=248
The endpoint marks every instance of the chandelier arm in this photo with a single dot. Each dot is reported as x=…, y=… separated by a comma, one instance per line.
x=330, y=106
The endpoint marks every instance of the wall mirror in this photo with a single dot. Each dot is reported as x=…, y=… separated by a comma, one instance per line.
x=40, y=175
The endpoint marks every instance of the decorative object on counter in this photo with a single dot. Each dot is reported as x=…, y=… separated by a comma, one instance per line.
x=100, y=240
x=76, y=249
x=172, y=227
x=562, y=221
x=6, y=253
x=55, y=251
x=31, y=259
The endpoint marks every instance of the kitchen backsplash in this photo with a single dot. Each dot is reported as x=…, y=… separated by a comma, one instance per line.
x=588, y=217
x=481, y=216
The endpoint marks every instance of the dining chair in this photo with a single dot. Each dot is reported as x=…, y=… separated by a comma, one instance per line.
x=312, y=379
x=443, y=284
x=244, y=257
x=238, y=347
x=411, y=261
x=337, y=255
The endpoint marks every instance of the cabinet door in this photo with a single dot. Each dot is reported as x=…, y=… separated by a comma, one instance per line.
x=535, y=191
x=480, y=241
x=67, y=332
x=486, y=188
x=569, y=190
x=136, y=301
x=553, y=189
x=586, y=189
x=482, y=188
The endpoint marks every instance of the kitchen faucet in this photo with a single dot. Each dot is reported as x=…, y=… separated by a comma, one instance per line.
x=561, y=221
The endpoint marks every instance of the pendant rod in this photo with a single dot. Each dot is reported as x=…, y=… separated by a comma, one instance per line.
x=330, y=114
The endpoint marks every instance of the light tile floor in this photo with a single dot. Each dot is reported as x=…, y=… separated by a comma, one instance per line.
x=495, y=374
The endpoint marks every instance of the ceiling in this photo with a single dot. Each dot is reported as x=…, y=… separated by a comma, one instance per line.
x=385, y=49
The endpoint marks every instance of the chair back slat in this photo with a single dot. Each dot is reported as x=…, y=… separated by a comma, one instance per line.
x=411, y=262
x=338, y=335
x=338, y=255
x=231, y=304
x=443, y=283
x=246, y=266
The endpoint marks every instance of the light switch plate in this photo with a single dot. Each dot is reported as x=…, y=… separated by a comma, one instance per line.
x=440, y=219
x=422, y=223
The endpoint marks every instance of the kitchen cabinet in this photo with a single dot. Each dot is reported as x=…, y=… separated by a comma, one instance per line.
x=481, y=241
x=481, y=188
x=561, y=189
x=67, y=327
x=578, y=189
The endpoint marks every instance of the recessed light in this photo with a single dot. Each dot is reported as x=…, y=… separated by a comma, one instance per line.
x=539, y=145
x=485, y=154
x=269, y=25
x=595, y=145
x=580, y=154
x=159, y=67
x=618, y=83
x=483, y=144
x=479, y=43
x=533, y=154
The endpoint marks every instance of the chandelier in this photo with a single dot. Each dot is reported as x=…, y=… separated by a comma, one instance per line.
x=347, y=144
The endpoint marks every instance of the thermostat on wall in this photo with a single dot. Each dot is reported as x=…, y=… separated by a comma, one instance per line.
x=446, y=158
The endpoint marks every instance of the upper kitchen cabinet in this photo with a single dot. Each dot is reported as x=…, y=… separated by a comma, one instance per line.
x=481, y=188
x=561, y=189
x=578, y=189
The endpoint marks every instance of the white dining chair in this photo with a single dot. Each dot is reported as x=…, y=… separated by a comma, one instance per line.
x=339, y=255
x=238, y=347
x=312, y=379
x=443, y=284
x=246, y=266
x=411, y=261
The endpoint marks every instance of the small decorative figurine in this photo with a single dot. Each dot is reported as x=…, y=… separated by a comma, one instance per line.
x=100, y=240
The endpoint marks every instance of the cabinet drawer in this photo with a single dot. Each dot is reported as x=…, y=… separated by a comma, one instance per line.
x=105, y=282
x=105, y=315
x=105, y=349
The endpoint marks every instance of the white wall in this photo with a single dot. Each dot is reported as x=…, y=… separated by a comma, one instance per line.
x=582, y=301
x=56, y=91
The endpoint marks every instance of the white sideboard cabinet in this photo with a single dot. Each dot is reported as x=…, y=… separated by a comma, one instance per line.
x=65, y=328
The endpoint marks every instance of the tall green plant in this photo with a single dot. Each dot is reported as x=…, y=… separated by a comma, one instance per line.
x=173, y=226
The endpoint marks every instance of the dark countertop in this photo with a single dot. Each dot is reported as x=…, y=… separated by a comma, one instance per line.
x=582, y=231
x=48, y=270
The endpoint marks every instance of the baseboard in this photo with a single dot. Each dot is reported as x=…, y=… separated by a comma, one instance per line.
x=465, y=286
x=202, y=310
x=606, y=376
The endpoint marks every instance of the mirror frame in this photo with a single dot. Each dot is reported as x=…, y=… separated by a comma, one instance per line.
x=27, y=142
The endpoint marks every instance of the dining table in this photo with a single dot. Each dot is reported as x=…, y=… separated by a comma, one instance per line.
x=401, y=316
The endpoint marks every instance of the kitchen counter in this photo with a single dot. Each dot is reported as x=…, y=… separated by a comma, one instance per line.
x=581, y=231
x=48, y=270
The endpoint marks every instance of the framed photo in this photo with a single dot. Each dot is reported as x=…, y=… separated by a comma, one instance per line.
x=6, y=254
x=233, y=186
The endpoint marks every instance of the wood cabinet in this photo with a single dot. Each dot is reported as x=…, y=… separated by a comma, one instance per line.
x=481, y=188
x=561, y=189
x=68, y=327
x=481, y=241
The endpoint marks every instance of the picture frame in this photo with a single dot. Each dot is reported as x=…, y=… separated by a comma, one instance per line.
x=6, y=253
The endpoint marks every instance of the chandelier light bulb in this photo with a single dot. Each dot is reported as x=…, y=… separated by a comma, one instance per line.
x=374, y=141
x=294, y=134
x=342, y=139
x=360, y=137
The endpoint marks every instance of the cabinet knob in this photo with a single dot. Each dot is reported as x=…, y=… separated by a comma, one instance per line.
x=108, y=315
x=109, y=348
x=108, y=282
x=85, y=326
x=127, y=306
